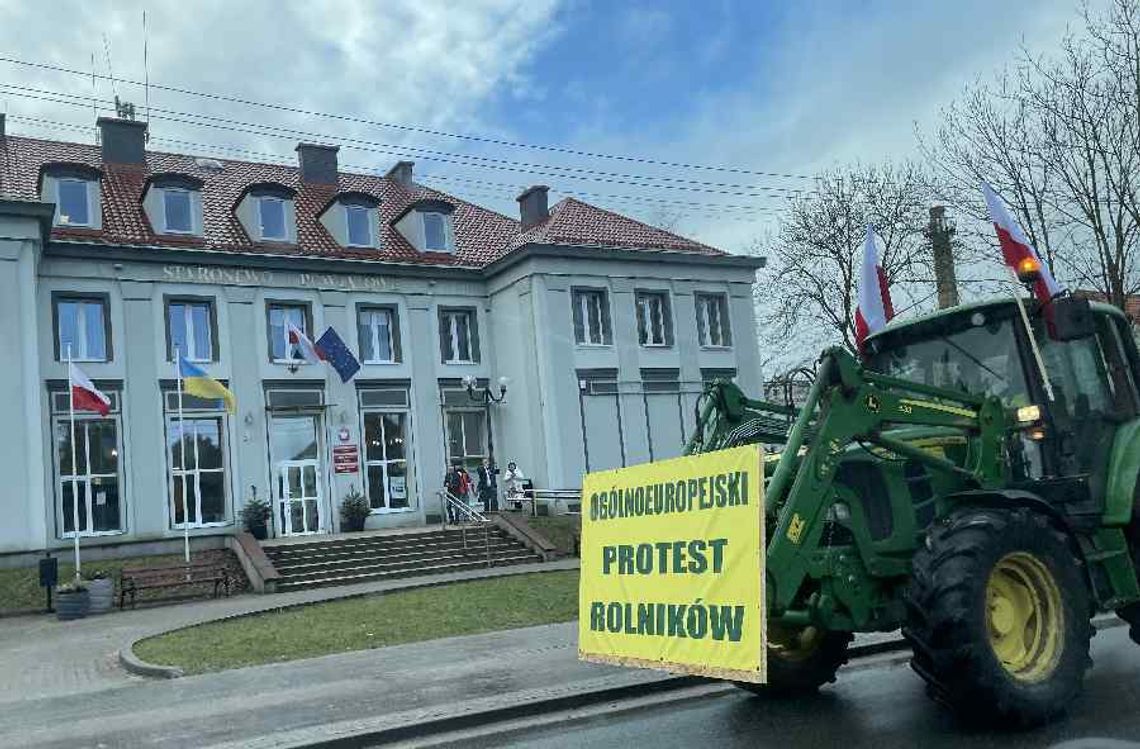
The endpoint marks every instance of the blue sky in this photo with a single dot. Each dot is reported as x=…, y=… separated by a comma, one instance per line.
x=763, y=86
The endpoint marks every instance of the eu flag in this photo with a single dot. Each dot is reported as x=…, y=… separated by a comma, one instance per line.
x=332, y=349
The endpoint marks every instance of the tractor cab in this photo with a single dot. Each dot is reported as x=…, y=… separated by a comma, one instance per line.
x=1069, y=382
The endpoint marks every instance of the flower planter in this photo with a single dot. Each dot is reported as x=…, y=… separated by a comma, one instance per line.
x=259, y=531
x=101, y=593
x=351, y=525
x=73, y=605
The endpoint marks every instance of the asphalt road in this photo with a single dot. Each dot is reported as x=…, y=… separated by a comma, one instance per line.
x=882, y=707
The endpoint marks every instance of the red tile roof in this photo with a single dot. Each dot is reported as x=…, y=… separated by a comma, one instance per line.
x=576, y=223
x=481, y=235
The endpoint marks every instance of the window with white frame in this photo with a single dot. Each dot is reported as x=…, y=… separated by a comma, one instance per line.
x=436, y=232
x=87, y=478
x=190, y=329
x=358, y=225
x=272, y=215
x=279, y=316
x=73, y=202
x=195, y=447
x=377, y=331
x=386, y=460
x=712, y=320
x=177, y=211
x=458, y=337
x=591, y=311
x=654, y=319
x=82, y=329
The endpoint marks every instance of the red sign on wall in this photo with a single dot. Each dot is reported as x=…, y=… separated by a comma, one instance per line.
x=346, y=459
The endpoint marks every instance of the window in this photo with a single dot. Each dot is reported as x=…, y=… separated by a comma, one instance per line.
x=378, y=332
x=177, y=211
x=82, y=329
x=654, y=320
x=358, y=221
x=712, y=320
x=73, y=203
x=386, y=460
x=197, y=462
x=190, y=330
x=271, y=212
x=280, y=315
x=458, y=336
x=467, y=437
x=88, y=479
x=591, y=317
x=435, y=232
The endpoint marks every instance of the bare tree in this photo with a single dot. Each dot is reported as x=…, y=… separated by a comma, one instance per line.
x=808, y=296
x=1060, y=140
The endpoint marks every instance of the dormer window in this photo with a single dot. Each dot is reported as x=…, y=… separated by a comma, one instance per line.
x=267, y=213
x=435, y=232
x=73, y=202
x=173, y=203
x=271, y=212
x=176, y=210
x=74, y=188
x=428, y=225
x=358, y=222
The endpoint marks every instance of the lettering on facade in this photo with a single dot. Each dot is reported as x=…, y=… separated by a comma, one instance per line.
x=251, y=277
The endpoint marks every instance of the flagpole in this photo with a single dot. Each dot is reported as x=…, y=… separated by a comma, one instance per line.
x=74, y=468
x=182, y=439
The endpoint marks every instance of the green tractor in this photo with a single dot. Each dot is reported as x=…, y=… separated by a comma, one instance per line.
x=972, y=481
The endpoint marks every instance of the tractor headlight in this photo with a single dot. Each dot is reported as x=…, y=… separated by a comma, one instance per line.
x=1029, y=414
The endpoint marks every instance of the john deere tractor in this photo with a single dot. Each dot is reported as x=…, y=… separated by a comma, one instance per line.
x=972, y=481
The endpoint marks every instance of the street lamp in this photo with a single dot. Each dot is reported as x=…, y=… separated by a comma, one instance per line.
x=484, y=394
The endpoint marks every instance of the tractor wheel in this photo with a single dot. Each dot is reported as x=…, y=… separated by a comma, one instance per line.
x=800, y=661
x=1131, y=613
x=998, y=616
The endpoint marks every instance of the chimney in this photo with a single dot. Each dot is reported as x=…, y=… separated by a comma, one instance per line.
x=533, y=208
x=401, y=173
x=124, y=141
x=318, y=163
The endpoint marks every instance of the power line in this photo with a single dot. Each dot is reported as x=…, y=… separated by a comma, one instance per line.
x=419, y=129
x=464, y=160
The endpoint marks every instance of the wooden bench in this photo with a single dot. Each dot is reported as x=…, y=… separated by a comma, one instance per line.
x=177, y=575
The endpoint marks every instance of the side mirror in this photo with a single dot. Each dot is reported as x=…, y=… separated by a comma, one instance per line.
x=1072, y=319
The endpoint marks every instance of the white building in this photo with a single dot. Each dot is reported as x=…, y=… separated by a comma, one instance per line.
x=604, y=327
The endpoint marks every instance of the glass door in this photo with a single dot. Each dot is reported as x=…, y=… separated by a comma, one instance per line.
x=295, y=448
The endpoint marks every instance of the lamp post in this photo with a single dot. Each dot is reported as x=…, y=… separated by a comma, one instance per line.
x=484, y=394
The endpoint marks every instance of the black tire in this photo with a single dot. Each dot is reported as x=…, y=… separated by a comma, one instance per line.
x=958, y=612
x=1131, y=613
x=800, y=662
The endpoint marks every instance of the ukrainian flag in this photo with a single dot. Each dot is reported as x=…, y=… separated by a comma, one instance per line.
x=196, y=382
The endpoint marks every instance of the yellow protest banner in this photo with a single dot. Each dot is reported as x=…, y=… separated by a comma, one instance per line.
x=672, y=571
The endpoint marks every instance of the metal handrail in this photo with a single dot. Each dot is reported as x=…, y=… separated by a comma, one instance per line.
x=472, y=515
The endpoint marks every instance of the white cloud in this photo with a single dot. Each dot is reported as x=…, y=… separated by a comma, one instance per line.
x=434, y=63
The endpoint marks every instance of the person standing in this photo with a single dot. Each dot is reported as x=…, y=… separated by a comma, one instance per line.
x=513, y=482
x=488, y=486
x=453, y=484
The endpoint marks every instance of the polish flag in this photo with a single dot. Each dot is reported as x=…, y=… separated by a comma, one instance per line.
x=875, y=309
x=303, y=344
x=1015, y=246
x=84, y=395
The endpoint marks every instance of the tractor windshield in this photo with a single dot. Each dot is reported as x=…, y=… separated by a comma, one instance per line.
x=981, y=359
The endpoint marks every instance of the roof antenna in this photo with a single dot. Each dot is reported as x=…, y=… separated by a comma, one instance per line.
x=146, y=78
x=110, y=72
x=94, y=106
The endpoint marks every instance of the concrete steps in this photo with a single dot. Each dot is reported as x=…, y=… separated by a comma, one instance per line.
x=365, y=558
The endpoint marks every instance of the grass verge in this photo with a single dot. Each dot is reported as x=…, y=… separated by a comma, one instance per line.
x=20, y=587
x=558, y=528
x=369, y=622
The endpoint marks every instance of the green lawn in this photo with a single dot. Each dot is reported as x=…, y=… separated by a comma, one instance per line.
x=369, y=622
x=558, y=528
x=20, y=588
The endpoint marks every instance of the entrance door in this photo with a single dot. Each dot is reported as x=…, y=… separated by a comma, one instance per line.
x=300, y=497
x=295, y=448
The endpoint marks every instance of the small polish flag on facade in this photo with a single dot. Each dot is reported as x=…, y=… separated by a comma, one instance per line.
x=298, y=338
x=1016, y=249
x=875, y=309
x=84, y=395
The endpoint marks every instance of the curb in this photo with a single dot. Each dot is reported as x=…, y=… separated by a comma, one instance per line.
x=136, y=665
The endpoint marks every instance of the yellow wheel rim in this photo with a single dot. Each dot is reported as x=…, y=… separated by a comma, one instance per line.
x=1025, y=617
x=791, y=644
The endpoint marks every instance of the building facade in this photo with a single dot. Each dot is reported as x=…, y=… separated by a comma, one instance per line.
x=601, y=328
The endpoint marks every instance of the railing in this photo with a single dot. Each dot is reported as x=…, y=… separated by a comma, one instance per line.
x=466, y=517
x=549, y=496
